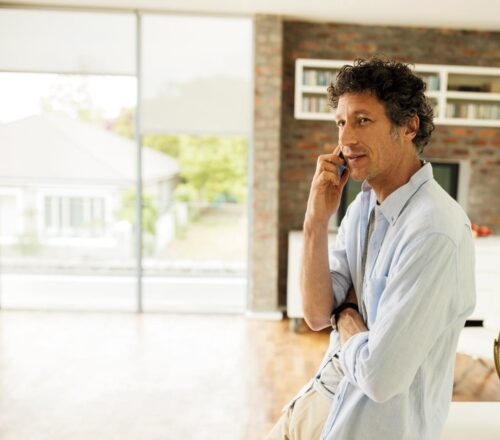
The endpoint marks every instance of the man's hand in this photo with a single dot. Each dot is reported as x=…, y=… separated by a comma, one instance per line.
x=351, y=296
x=326, y=189
x=350, y=322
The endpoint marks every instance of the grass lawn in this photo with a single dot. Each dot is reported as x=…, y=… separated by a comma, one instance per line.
x=218, y=234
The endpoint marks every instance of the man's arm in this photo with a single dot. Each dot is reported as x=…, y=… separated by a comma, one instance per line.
x=324, y=199
x=350, y=322
x=419, y=301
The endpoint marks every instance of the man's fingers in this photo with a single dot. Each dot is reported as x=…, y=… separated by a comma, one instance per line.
x=328, y=163
x=332, y=158
x=326, y=176
x=327, y=166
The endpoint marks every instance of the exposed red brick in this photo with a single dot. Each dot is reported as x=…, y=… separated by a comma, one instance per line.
x=460, y=152
x=477, y=142
x=490, y=133
x=267, y=155
x=436, y=151
x=349, y=36
x=310, y=45
x=364, y=47
x=294, y=175
x=348, y=41
x=307, y=146
x=459, y=131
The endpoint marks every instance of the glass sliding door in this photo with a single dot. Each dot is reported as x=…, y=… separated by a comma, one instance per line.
x=68, y=179
x=196, y=121
x=68, y=87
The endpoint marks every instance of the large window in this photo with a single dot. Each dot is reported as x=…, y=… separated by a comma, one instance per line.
x=75, y=216
x=70, y=159
x=196, y=107
x=68, y=87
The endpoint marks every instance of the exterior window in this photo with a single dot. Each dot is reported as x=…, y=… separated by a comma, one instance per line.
x=8, y=215
x=74, y=216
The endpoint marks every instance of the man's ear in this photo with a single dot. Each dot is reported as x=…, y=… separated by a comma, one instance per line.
x=412, y=126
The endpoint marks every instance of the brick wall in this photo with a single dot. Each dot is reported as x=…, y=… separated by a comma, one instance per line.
x=266, y=163
x=303, y=141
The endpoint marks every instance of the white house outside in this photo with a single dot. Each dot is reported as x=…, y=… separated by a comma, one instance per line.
x=62, y=186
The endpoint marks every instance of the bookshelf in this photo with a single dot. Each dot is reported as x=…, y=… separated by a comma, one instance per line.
x=460, y=95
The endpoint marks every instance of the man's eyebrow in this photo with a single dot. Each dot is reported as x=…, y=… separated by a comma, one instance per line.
x=354, y=113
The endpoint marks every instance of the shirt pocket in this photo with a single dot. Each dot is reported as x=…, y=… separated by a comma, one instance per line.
x=374, y=289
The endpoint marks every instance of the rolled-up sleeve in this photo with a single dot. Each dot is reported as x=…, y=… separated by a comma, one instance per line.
x=339, y=267
x=419, y=301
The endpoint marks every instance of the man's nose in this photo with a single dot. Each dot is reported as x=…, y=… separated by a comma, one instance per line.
x=347, y=135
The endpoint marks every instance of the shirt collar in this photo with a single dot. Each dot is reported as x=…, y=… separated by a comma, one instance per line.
x=393, y=205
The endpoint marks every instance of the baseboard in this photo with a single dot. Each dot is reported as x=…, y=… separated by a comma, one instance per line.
x=265, y=316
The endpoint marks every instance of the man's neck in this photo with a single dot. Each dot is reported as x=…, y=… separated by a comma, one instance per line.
x=384, y=187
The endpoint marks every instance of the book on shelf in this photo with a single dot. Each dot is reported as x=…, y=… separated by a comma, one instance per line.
x=435, y=109
x=470, y=110
x=431, y=80
x=314, y=104
x=319, y=77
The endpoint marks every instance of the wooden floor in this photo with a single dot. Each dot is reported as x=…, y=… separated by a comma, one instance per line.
x=159, y=376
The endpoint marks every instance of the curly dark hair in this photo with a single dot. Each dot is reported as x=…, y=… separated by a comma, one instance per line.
x=393, y=83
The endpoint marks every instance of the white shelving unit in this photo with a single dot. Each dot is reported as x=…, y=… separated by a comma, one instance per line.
x=462, y=95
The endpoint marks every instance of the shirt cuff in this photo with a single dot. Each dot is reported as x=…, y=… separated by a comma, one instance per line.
x=349, y=354
x=339, y=290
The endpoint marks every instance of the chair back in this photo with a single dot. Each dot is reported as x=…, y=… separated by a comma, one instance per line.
x=496, y=354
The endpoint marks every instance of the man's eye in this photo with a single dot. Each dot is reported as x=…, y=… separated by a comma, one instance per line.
x=340, y=123
x=363, y=120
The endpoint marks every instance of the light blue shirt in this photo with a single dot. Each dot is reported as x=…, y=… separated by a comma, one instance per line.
x=417, y=293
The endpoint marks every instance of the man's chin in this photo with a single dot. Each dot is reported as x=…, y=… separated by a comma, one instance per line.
x=357, y=177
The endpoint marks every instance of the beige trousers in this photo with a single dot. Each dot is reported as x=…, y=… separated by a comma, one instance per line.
x=304, y=420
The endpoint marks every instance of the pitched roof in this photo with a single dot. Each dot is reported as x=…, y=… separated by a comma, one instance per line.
x=56, y=148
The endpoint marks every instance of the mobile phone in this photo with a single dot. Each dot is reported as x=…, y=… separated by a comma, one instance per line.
x=341, y=168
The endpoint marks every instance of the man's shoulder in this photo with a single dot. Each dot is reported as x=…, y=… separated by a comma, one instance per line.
x=433, y=211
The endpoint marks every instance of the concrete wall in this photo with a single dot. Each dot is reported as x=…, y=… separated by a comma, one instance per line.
x=266, y=163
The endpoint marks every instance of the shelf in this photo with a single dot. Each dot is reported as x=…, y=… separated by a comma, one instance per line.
x=468, y=122
x=473, y=96
x=478, y=104
x=482, y=110
x=317, y=116
x=314, y=89
x=433, y=94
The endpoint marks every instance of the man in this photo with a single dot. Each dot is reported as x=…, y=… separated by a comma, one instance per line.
x=404, y=258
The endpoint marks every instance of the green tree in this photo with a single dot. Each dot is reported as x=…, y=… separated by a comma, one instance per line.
x=73, y=99
x=123, y=125
x=215, y=167
x=211, y=168
x=168, y=144
x=149, y=210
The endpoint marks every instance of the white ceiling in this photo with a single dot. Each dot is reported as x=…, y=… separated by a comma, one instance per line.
x=478, y=14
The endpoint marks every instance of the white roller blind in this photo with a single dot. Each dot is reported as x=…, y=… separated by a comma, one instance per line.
x=196, y=75
x=67, y=42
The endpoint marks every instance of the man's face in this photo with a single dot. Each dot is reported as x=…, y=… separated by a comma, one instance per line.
x=372, y=147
